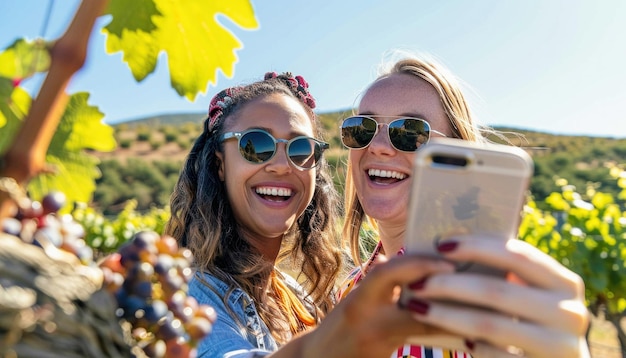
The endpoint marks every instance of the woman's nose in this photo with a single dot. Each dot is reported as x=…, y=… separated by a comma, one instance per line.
x=380, y=143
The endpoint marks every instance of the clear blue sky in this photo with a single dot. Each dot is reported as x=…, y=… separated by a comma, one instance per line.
x=557, y=66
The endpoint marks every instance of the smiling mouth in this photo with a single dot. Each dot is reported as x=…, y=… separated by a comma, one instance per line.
x=385, y=176
x=273, y=193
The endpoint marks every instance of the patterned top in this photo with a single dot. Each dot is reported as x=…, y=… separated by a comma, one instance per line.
x=406, y=351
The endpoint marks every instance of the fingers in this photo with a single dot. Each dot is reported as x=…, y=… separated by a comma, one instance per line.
x=524, y=302
x=393, y=321
x=529, y=263
x=369, y=321
x=545, y=282
x=388, y=328
x=501, y=331
x=555, y=293
x=541, y=311
x=379, y=284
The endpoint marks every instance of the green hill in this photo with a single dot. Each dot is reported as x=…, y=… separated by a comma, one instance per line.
x=164, y=119
x=151, y=151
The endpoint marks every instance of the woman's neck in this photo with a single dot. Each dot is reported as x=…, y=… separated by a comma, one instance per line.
x=268, y=247
x=391, y=237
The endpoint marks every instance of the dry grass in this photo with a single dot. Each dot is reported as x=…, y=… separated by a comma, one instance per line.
x=603, y=339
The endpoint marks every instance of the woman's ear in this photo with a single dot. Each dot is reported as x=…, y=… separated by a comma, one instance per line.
x=220, y=165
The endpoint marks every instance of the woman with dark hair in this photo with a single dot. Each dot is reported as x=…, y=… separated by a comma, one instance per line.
x=256, y=189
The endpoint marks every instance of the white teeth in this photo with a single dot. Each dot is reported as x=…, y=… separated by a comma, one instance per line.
x=386, y=174
x=273, y=191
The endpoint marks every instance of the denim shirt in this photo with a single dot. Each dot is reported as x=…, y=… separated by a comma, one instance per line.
x=230, y=338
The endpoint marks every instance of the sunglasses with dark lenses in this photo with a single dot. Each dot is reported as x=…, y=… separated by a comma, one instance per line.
x=406, y=134
x=258, y=146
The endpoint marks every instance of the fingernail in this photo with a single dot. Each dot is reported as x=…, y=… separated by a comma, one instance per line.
x=447, y=246
x=469, y=345
x=418, y=285
x=417, y=306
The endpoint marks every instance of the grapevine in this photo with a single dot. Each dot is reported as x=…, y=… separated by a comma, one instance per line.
x=587, y=234
x=106, y=234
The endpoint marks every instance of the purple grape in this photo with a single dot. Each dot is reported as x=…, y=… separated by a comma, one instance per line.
x=172, y=282
x=143, y=289
x=129, y=255
x=163, y=264
x=155, y=311
x=53, y=202
x=155, y=348
x=131, y=305
x=145, y=240
x=170, y=328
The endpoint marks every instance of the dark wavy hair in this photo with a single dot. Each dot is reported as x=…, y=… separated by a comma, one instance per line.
x=203, y=221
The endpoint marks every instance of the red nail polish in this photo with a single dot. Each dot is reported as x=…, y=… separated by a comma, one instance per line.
x=469, y=345
x=418, y=285
x=447, y=246
x=417, y=306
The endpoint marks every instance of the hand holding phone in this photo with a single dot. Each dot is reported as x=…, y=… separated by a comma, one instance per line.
x=461, y=187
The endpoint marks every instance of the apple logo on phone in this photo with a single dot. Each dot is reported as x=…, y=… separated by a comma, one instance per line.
x=466, y=206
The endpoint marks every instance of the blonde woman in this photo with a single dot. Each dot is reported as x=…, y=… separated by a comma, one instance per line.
x=418, y=98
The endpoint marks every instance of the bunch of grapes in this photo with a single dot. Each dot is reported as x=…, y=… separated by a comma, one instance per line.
x=148, y=276
x=41, y=224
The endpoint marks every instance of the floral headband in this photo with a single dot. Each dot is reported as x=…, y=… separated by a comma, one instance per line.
x=219, y=103
x=224, y=98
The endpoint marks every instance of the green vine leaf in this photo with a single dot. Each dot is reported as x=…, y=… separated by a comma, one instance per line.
x=197, y=45
x=14, y=104
x=21, y=60
x=24, y=58
x=81, y=128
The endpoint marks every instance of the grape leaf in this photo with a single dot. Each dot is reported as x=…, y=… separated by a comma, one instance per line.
x=599, y=280
x=80, y=128
x=196, y=44
x=621, y=305
x=601, y=200
x=14, y=104
x=133, y=15
x=22, y=59
x=557, y=202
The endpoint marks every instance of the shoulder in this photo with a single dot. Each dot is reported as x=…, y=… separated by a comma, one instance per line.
x=291, y=282
x=300, y=292
x=295, y=287
x=208, y=289
x=230, y=335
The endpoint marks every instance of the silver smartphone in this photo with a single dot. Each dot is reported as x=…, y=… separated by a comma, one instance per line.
x=463, y=187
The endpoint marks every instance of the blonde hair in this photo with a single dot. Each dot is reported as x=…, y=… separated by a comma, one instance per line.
x=455, y=106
